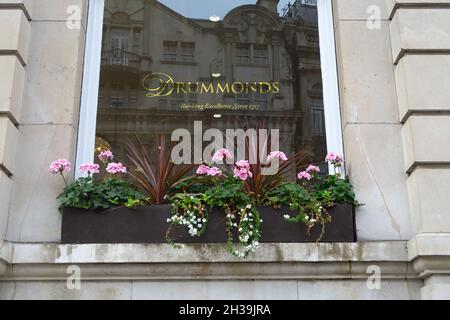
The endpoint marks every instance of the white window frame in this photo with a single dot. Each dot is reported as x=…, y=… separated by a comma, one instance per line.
x=331, y=101
x=91, y=79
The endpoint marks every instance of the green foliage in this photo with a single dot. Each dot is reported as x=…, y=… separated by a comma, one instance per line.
x=189, y=211
x=228, y=193
x=248, y=223
x=84, y=193
x=290, y=194
x=311, y=210
x=193, y=185
x=336, y=190
x=183, y=202
x=311, y=201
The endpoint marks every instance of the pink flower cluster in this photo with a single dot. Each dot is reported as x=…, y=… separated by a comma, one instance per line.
x=90, y=168
x=277, y=154
x=242, y=170
x=303, y=175
x=105, y=156
x=60, y=166
x=63, y=165
x=313, y=168
x=221, y=154
x=335, y=159
x=209, y=171
x=308, y=174
x=116, y=167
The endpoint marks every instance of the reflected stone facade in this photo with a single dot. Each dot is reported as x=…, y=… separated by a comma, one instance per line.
x=252, y=44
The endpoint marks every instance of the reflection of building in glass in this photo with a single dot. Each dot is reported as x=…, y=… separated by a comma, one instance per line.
x=251, y=44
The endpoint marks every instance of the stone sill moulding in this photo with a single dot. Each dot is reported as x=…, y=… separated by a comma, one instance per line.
x=49, y=261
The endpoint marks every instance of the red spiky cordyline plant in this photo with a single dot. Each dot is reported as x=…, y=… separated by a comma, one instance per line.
x=155, y=180
x=258, y=185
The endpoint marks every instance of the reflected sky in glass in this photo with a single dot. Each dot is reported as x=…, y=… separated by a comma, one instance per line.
x=204, y=9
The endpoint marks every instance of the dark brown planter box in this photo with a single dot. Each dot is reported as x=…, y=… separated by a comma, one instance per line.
x=148, y=224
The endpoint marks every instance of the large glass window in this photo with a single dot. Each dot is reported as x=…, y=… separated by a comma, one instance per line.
x=166, y=66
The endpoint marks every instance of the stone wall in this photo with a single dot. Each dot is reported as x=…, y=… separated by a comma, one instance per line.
x=394, y=78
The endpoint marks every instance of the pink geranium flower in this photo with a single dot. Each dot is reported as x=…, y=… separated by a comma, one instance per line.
x=106, y=156
x=335, y=159
x=312, y=168
x=114, y=168
x=90, y=168
x=60, y=166
x=241, y=173
x=205, y=170
x=243, y=164
x=202, y=170
x=277, y=154
x=221, y=154
x=214, y=172
x=242, y=170
x=303, y=175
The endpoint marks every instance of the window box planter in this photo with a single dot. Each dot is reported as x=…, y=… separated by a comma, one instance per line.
x=149, y=224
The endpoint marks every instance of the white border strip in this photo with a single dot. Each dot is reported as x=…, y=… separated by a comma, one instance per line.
x=330, y=78
x=91, y=79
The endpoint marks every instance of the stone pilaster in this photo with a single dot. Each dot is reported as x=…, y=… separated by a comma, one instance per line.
x=420, y=37
x=50, y=49
x=15, y=24
x=370, y=121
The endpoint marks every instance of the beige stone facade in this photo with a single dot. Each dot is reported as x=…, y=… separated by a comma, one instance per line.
x=394, y=80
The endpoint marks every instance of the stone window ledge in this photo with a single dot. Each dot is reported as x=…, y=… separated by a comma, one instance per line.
x=49, y=261
x=210, y=253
